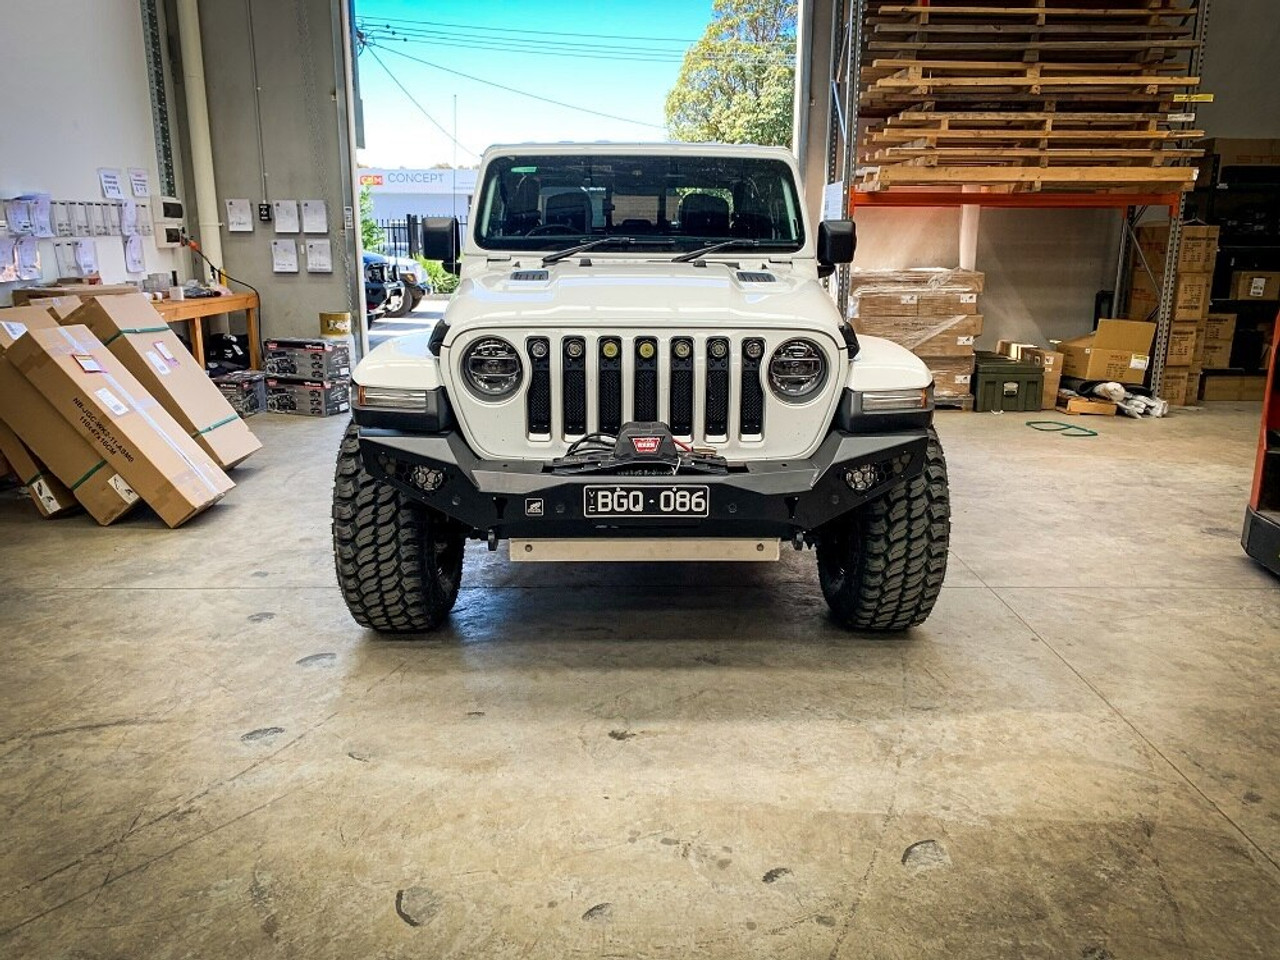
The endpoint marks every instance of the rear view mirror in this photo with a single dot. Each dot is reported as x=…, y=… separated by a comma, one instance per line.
x=837, y=241
x=442, y=240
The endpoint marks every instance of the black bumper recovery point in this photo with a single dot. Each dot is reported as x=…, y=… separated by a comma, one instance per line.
x=505, y=499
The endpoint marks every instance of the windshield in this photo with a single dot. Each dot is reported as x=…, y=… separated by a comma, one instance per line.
x=670, y=202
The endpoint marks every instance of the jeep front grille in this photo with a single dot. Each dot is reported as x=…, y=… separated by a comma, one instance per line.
x=705, y=387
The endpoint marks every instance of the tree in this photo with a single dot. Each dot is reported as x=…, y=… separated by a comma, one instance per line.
x=371, y=235
x=737, y=83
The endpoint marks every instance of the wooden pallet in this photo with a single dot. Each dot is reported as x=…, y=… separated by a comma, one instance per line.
x=963, y=402
x=1029, y=178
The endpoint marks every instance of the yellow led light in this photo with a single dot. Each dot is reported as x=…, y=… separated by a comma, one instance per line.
x=610, y=349
x=647, y=350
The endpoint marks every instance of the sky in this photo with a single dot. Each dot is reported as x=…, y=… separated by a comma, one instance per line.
x=493, y=40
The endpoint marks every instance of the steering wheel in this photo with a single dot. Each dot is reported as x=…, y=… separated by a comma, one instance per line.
x=558, y=228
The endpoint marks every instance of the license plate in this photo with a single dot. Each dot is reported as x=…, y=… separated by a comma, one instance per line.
x=647, y=501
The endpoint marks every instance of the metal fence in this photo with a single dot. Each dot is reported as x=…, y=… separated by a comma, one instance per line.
x=401, y=238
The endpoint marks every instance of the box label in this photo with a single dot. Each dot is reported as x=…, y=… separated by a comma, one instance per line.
x=127, y=493
x=1257, y=286
x=160, y=366
x=87, y=363
x=165, y=352
x=41, y=489
x=111, y=402
x=1139, y=362
x=964, y=341
x=962, y=378
x=968, y=298
x=13, y=328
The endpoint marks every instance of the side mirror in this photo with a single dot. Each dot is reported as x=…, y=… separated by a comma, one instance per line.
x=442, y=240
x=837, y=240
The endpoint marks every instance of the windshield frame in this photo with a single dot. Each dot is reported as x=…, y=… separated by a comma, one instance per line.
x=645, y=245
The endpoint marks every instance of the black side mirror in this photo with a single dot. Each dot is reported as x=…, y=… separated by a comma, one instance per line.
x=837, y=241
x=442, y=240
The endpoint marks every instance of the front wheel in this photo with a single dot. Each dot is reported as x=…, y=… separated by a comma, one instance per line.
x=399, y=564
x=881, y=567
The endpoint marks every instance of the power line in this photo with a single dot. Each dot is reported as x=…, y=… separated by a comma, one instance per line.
x=545, y=33
x=396, y=80
x=612, y=53
x=524, y=93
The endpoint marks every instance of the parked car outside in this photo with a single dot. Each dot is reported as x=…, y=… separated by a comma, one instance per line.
x=381, y=290
x=409, y=272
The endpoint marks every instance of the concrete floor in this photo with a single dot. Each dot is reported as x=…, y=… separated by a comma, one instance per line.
x=1077, y=757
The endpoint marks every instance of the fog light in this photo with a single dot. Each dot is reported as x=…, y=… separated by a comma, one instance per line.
x=427, y=479
x=863, y=478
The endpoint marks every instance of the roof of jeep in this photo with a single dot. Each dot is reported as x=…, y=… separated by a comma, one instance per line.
x=609, y=147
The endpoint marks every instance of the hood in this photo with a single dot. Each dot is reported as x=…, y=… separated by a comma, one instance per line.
x=663, y=294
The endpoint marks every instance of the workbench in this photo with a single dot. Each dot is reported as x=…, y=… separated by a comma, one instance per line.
x=193, y=311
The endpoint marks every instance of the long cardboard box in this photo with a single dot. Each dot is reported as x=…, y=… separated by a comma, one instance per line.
x=93, y=391
x=1255, y=285
x=1118, y=350
x=51, y=497
x=23, y=295
x=926, y=336
x=139, y=337
x=104, y=494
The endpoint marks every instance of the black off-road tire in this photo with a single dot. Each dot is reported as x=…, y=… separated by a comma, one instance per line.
x=881, y=567
x=399, y=563
x=401, y=306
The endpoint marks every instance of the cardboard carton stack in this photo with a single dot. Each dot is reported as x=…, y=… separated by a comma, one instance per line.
x=931, y=312
x=309, y=378
x=112, y=405
x=1196, y=256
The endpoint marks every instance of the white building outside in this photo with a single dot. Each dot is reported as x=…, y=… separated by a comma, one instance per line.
x=425, y=193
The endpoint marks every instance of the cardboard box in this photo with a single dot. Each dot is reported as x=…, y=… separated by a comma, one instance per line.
x=1182, y=344
x=1220, y=326
x=102, y=492
x=1190, y=297
x=92, y=390
x=1234, y=386
x=926, y=336
x=1173, y=388
x=23, y=295
x=1087, y=406
x=60, y=307
x=148, y=349
x=1013, y=349
x=317, y=359
x=1217, y=354
x=245, y=390
x=1051, y=361
x=51, y=497
x=884, y=305
x=1255, y=285
x=952, y=376
x=1197, y=251
x=1221, y=152
x=946, y=304
x=1118, y=350
x=308, y=398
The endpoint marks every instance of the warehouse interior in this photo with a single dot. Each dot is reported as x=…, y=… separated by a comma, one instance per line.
x=1075, y=756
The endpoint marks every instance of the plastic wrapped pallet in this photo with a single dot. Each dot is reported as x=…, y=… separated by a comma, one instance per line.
x=925, y=292
x=952, y=376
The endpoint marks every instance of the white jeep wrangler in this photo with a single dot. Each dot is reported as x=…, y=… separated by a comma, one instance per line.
x=641, y=364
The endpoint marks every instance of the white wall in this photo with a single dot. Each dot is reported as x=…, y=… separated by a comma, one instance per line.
x=75, y=98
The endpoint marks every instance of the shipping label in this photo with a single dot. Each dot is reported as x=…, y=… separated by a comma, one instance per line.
x=13, y=328
x=165, y=352
x=126, y=492
x=41, y=489
x=111, y=402
x=88, y=363
x=160, y=366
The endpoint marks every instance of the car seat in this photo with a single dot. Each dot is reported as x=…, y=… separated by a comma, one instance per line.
x=704, y=215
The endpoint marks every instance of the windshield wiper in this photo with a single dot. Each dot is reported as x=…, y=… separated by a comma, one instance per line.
x=559, y=255
x=703, y=251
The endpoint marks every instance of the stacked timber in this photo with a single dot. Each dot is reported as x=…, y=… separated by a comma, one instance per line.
x=1023, y=95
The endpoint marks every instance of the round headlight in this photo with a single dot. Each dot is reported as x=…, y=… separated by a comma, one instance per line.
x=491, y=367
x=797, y=370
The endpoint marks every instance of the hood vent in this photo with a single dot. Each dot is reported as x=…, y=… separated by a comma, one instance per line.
x=755, y=276
x=532, y=276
